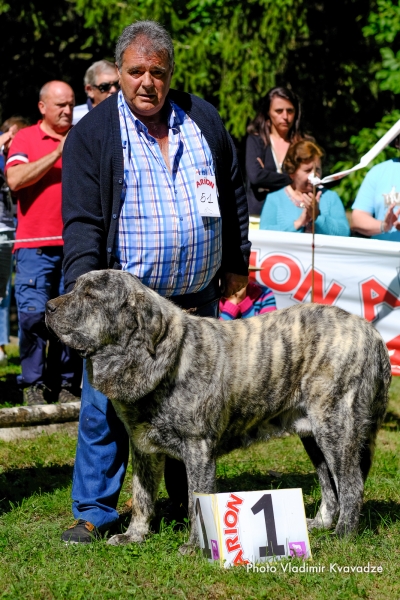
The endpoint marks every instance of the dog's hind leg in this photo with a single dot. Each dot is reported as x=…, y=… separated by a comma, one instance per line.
x=200, y=468
x=147, y=472
x=329, y=506
x=351, y=491
x=343, y=461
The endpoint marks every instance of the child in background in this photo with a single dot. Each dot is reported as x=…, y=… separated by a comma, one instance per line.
x=254, y=299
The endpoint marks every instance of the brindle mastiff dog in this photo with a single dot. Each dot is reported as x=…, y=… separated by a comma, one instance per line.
x=196, y=388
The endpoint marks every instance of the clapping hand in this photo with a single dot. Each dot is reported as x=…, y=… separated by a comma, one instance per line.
x=391, y=219
x=307, y=214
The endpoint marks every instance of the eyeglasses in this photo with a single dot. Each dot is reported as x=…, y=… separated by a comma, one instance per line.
x=106, y=87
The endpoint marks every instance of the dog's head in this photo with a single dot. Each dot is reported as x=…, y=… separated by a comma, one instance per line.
x=105, y=312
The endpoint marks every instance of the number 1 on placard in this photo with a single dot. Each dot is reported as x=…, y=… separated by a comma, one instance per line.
x=273, y=549
x=206, y=549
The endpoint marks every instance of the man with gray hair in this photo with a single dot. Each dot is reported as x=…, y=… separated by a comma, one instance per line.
x=151, y=185
x=100, y=81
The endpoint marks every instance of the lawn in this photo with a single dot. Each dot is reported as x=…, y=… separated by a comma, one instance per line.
x=35, y=487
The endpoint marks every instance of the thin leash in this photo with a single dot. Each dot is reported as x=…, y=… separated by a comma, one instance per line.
x=314, y=197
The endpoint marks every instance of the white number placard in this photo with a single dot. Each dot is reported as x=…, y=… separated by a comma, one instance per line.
x=252, y=527
x=206, y=195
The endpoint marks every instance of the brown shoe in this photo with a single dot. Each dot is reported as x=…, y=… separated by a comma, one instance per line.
x=81, y=532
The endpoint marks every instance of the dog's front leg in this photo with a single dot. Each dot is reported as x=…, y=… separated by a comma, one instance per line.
x=200, y=468
x=147, y=472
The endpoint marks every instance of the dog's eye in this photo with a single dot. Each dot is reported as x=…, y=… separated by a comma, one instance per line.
x=89, y=296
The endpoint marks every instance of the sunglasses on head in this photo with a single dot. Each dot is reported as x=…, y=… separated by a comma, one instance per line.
x=106, y=87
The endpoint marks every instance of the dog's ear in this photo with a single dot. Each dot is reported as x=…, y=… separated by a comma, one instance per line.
x=151, y=321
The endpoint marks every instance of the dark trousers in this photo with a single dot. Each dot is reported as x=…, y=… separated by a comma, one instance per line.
x=39, y=278
x=103, y=450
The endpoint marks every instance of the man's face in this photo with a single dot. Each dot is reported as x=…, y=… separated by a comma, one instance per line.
x=106, y=85
x=145, y=79
x=57, y=107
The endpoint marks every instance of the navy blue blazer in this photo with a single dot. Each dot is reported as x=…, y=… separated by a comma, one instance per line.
x=92, y=178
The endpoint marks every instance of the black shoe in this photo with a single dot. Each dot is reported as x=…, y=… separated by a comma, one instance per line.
x=66, y=395
x=81, y=532
x=34, y=395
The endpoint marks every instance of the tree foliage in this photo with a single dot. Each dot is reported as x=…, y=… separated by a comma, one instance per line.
x=227, y=51
x=41, y=42
x=343, y=60
x=361, y=143
x=381, y=30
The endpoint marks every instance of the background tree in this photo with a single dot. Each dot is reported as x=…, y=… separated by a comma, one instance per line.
x=342, y=60
x=40, y=42
x=382, y=35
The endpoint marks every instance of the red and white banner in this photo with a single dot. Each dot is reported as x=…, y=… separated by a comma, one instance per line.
x=361, y=276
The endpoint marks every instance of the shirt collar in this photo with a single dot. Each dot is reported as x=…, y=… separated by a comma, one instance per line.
x=45, y=135
x=175, y=114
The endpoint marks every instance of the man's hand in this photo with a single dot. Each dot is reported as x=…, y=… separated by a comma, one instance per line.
x=232, y=283
x=60, y=147
x=5, y=138
x=391, y=219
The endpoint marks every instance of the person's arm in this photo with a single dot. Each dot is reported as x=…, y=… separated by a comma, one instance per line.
x=332, y=218
x=235, y=218
x=259, y=174
x=235, y=278
x=362, y=219
x=267, y=301
x=228, y=311
x=84, y=232
x=271, y=217
x=364, y=223
x=8, y=135
x=24, y=175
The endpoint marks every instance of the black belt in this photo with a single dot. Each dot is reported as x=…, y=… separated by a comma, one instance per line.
x=199, y=299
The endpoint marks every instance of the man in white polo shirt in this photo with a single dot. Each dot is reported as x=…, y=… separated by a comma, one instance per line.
x=100, y=81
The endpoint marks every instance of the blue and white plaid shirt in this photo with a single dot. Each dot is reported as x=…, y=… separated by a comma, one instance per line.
x=161, y=237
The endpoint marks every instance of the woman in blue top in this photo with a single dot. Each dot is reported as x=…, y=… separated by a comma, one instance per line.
x=290, y=209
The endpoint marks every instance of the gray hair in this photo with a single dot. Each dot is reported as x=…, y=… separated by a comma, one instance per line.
x=95, y=69
x=146, y=31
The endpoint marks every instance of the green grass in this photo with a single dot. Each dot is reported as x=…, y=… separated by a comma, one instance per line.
x=10, y=395
x=35, y=487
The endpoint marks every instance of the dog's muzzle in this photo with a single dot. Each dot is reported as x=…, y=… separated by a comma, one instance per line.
x=51, y=306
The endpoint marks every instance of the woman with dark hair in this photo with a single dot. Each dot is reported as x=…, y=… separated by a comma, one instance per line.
x=290, y=209
x=274, y=129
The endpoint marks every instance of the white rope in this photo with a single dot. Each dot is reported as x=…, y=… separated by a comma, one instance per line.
x=40, y=239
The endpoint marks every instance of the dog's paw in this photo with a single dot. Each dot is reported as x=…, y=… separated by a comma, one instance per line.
x=123, y=539
x=314, y=524
x=188, y=549
x=346, y=530
x=319, y=523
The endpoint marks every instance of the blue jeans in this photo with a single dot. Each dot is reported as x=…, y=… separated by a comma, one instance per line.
x=5, y=315
x=38, y=279
x=102, y=454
